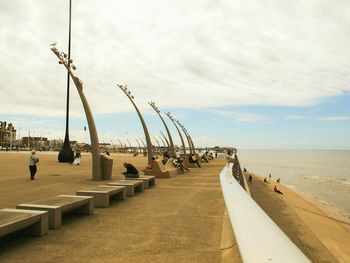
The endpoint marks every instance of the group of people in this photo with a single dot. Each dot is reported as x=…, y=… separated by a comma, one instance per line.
x=208, y=156
x=275, y=189
x=131, y=171
x=33, y=160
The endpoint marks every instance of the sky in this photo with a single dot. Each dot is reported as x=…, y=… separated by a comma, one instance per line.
x=248, y=74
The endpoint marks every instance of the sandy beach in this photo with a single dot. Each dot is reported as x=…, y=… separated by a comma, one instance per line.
x=179, y=220
x=322, y=235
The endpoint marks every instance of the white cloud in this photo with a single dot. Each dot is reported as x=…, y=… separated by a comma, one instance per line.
x=328, y=118
x=298, y=117
x=195, y=54
x=334, y=118
x=240, y=116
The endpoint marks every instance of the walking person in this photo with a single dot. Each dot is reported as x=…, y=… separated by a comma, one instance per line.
x=33, y=160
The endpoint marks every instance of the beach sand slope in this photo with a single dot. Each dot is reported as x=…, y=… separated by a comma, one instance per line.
x=321, y=237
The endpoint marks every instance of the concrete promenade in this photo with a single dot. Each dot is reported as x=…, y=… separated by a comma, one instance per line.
x=179, y=220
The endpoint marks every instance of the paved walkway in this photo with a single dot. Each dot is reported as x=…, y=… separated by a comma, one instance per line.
x=179, y=220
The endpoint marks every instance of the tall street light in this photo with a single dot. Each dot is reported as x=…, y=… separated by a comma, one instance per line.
x=188, y=139
x=193, y=151
x=66, y=154
x=95, y=150
x=166, y=140
x=153, y=105
x=174, y=122
x=164, y=144
x=139, y=145
x=127, y=92
x=143, y=143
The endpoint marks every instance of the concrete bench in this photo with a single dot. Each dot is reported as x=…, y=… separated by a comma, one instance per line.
x=160, y=170
x=147, y=180
x=103, y=194
x=132, y=186
x=57, y=205
x=188, y=164
x=32, y=221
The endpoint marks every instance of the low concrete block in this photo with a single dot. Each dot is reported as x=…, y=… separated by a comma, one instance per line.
x=57, y=205
x=34, y=222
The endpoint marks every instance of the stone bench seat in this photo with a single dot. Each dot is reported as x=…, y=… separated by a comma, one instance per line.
x=147, y=180
x=103, y=194
x=57, y=205
x=32, y=221
x=188, y=164
x=160, y=170
x=132, y=186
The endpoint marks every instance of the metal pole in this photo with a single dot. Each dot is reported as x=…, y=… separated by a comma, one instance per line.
x=166, y=140
x=145, y=130
x=66, y=154
x=139, y=146
x=171, y=144
x=182, y=140
x=164, y=144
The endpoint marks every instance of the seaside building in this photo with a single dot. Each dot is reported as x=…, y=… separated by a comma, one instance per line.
x=34, y=142
x=7, y=134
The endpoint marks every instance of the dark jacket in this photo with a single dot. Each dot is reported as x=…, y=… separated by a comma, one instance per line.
x=130, y=169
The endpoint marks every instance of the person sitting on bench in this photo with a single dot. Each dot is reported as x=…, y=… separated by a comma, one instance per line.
x=166, y=157
x=179, y=164
x=193, y=159
x=131, y=171
x=205, y=157
x=150, y=166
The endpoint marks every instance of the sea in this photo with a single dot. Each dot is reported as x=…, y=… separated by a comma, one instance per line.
x=319, y=175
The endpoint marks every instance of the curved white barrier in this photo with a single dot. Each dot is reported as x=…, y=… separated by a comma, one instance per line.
x=259, y=239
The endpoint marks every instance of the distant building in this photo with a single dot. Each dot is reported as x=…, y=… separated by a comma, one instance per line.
x=7, y=134
x=35, y=142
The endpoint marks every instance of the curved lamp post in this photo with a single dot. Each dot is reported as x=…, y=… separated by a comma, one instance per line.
x=121, y=145
x=165, y=139
x=190, y=142
x=188, y=139
x=129, y=144
x=95, y=150
x=143, y=143
x=171, y=148
x=164, y=144
x=148, y=139
x=138, y=145
x=182, y=140
x=189, y=136
x=157, y=142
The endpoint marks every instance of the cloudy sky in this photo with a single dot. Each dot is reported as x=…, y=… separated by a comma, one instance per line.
x=251, y=74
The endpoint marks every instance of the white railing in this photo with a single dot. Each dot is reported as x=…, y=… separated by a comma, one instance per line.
x=259, y=239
